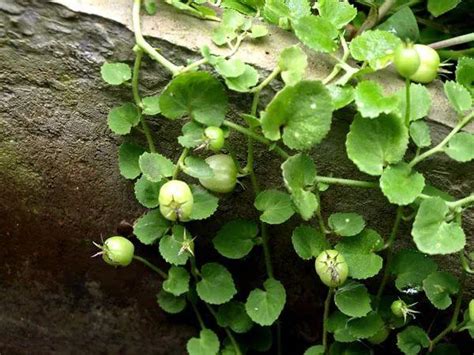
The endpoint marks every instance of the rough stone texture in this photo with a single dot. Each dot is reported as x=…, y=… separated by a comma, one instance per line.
x=61, y=189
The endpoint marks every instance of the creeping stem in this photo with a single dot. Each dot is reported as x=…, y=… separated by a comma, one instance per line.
x=143, y=44
x=389, y=246
x=443, y=143
x=327, y=305
x=180, y=162
x=151, y=266
x=407, y=99
x=138, y=100
x=453, y=41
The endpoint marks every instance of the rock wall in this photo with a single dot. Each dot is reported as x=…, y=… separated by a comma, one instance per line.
x=60, y=189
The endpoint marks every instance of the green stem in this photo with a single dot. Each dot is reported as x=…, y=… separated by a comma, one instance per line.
x=462, y=202
x=320, y=218
x=407, y=99
x=151, y=266
x=227, y=331
x=180, y=162
x=327, y=305
x=138, y=100
x=445, y=141
x=142, y=43
x=337, y=67
x=198, y=315
x=453, y=41
x=389, y=246
x=450, y=54
x=375, y=15
x=346, y=182
x=454, y=319
x=267, y=80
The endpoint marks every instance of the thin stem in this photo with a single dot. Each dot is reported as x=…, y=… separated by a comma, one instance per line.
x=320, y=218
x=138, y=100
x=450, y=54
x=389, y=246
x=462, y=202
x=453, y=41
x=454, y=319
x=267, y=80
x=445, y=141
x=375, y=15
x=337, y=67
x=266, y=249
x=227, y=331
x=180, y=162
x=198, y=315
x=407, y=99
x=142, y=43
x=346, y=182
x=327, y=305
x=151, y=266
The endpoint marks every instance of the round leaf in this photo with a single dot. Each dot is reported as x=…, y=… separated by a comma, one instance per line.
x=233, y=315
x=205, y=204
x=458, y=96
x=461, y=147
x=438, y=287
x=236, y=239
x=275, y=205
x=128, y=160
x=216, y=285
x=420, y=101
x=147, y=192
x=264, y=306
x=411, y=268
x=195, y=94
x=155, y=166
x=121, y=119
x=371, y=101
x=292, y=63
x=412, y=339
x=420, y=134
x=245, y=81
x=206, y=344
x=400, y=184
x=353, y=300
x=150, y=227
x=365, y=327
x=177, y=282
x=346, y=224
x=151, y=105
x=317, y=33
x=170, y=303
x=115, y=73
x=308, y=242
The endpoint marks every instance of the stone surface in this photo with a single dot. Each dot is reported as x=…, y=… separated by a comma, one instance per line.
x=61, y=190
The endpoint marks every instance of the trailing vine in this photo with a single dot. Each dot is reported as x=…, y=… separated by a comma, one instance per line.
x=346, y=251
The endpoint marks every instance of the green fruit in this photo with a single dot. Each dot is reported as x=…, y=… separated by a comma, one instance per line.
x=406, y=60
x=225, y=174
x=429, y=64
x=118, y=251
x=398, y=308
x=214, y=137
x=471, y=310
x=331, y=268
x=176, y=201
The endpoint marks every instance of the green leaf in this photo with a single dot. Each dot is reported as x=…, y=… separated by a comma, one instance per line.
x=461, y=147
x=403, y=24
x=420, y=101
x=216, y=285
x=171, y=244
x=195, y=94
x=371, y=101
x=353, y=300
x=302, y=111
x=318, y=33
x=230, y=68
x=400, y=184
x=234, y=316
x=412, y=339
x=150, y=7
x=115, y=73
x=150, y=227
x=258, y=31
x=432, y=234
x=437, y=8
x=264, y=306
x=375, y=47
x=458, y=96
x=147, y=192
x=128, y=160
x=197, y=168
x=232, y=23
x=155, y=166
x=445, y=349
x=315, y=350
x=206, y=344
x=245, y=81
x=275, y=205
x=177, y=282
x=346, y=224
x=308, y=242
x=365, y=327
x=121, y=119
x=420, y=134
x=205, y=204
x=280, y=12
x=306, y=203
x=192, y=135
x=411, y=268
x=337, y=325
x=339, y=13
x=372, y=144
x=292, y=63
x=438, y=287
x=359, y=252
x=341, y=95
x=170, y=303
x=236, y=238
x=151, y=105
x=465, y=73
